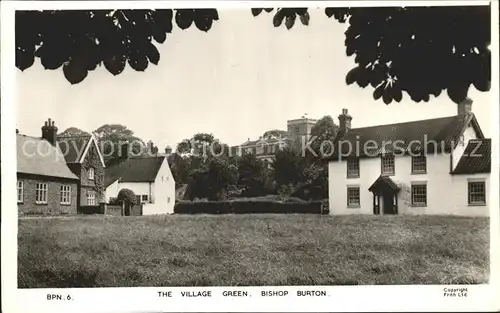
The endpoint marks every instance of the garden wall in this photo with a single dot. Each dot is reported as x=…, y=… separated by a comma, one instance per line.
x=248, y=207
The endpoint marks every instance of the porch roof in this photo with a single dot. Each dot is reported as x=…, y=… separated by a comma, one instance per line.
x=383, y=183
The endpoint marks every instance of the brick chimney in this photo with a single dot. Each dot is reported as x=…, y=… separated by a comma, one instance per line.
x=150, y=146
x=464, y=108
x=49, y=132
x=124, y=150
x=344, y=122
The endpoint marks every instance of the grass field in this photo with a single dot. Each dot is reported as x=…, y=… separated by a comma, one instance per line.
x=243, y=250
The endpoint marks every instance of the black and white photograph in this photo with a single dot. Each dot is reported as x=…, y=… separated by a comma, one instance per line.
x=230, y=147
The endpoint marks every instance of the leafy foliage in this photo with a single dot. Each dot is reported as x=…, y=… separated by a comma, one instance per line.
x=112, y=136
x=322, y=134
x=73, y=132
x=251, y=175
x=287, y=167
x=213, y=182
x=126, y=195
x=79, y=41
x=418, y=50
x=289, y=15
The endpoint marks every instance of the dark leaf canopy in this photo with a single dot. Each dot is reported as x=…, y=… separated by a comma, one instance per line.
x=79, y=41
x=420, y=50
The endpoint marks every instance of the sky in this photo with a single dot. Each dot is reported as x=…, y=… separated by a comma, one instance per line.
x=236, y=81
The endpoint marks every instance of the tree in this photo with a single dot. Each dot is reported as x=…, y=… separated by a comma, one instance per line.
x=288, y=168
x=73, y=132
x=111, y=137
x=418, y=50
x=79, y=41
x=127, y=196
x=213, y=182
x=180, y=168
x=251, y=175
x=322, y=134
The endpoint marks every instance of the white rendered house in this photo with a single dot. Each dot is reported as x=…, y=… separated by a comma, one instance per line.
x=434, y=166
x=149, y=177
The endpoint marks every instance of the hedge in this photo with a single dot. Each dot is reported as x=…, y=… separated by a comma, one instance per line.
x=248, y=207
x=90, y=209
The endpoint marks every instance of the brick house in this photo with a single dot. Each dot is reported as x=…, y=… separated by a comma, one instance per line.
x=45, y=184
x=85, y=160
x=58, y=175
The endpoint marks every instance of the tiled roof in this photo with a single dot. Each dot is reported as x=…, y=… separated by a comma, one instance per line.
x=73, y=147
x=38, y=157
x=445, y=131
x=134, y=169
x=476, y=158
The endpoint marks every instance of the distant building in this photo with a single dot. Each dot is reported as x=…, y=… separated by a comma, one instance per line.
x=271, y=141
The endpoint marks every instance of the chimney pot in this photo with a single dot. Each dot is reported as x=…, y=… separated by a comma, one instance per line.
x=49, y=132
x=124, y=153
x=465, y=107
x=344, y=122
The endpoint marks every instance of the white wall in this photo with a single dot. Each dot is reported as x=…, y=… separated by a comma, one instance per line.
x=446, y=193
x=457, y=153
x=164, y=190
x=112, y=191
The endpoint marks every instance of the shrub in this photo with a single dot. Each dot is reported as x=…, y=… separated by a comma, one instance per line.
x=127, y=195
x=248, y=207
x=113, y=201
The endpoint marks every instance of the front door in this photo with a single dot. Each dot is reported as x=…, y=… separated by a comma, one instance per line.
x=389, y=207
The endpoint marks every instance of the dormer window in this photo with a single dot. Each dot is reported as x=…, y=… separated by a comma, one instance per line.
x=388, y=165
x=91, y=173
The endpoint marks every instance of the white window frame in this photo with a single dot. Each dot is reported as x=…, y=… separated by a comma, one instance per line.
x=65, y=194
x=414, y=188
x=91, y=198
x=353, y=172
x=353, y=189
x=147, y=199
x=471, y=193
x=385, y=158
x=41, y=193
x=414, y=161
x=20, y=191
x=91, y=173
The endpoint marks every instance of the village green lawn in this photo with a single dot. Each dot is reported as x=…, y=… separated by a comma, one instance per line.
x=251, y=250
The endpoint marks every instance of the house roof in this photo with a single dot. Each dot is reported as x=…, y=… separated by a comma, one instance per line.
x=37, y=156
x=445, y=131
x=75, y=148
x=476, y=158
x=134, y=169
